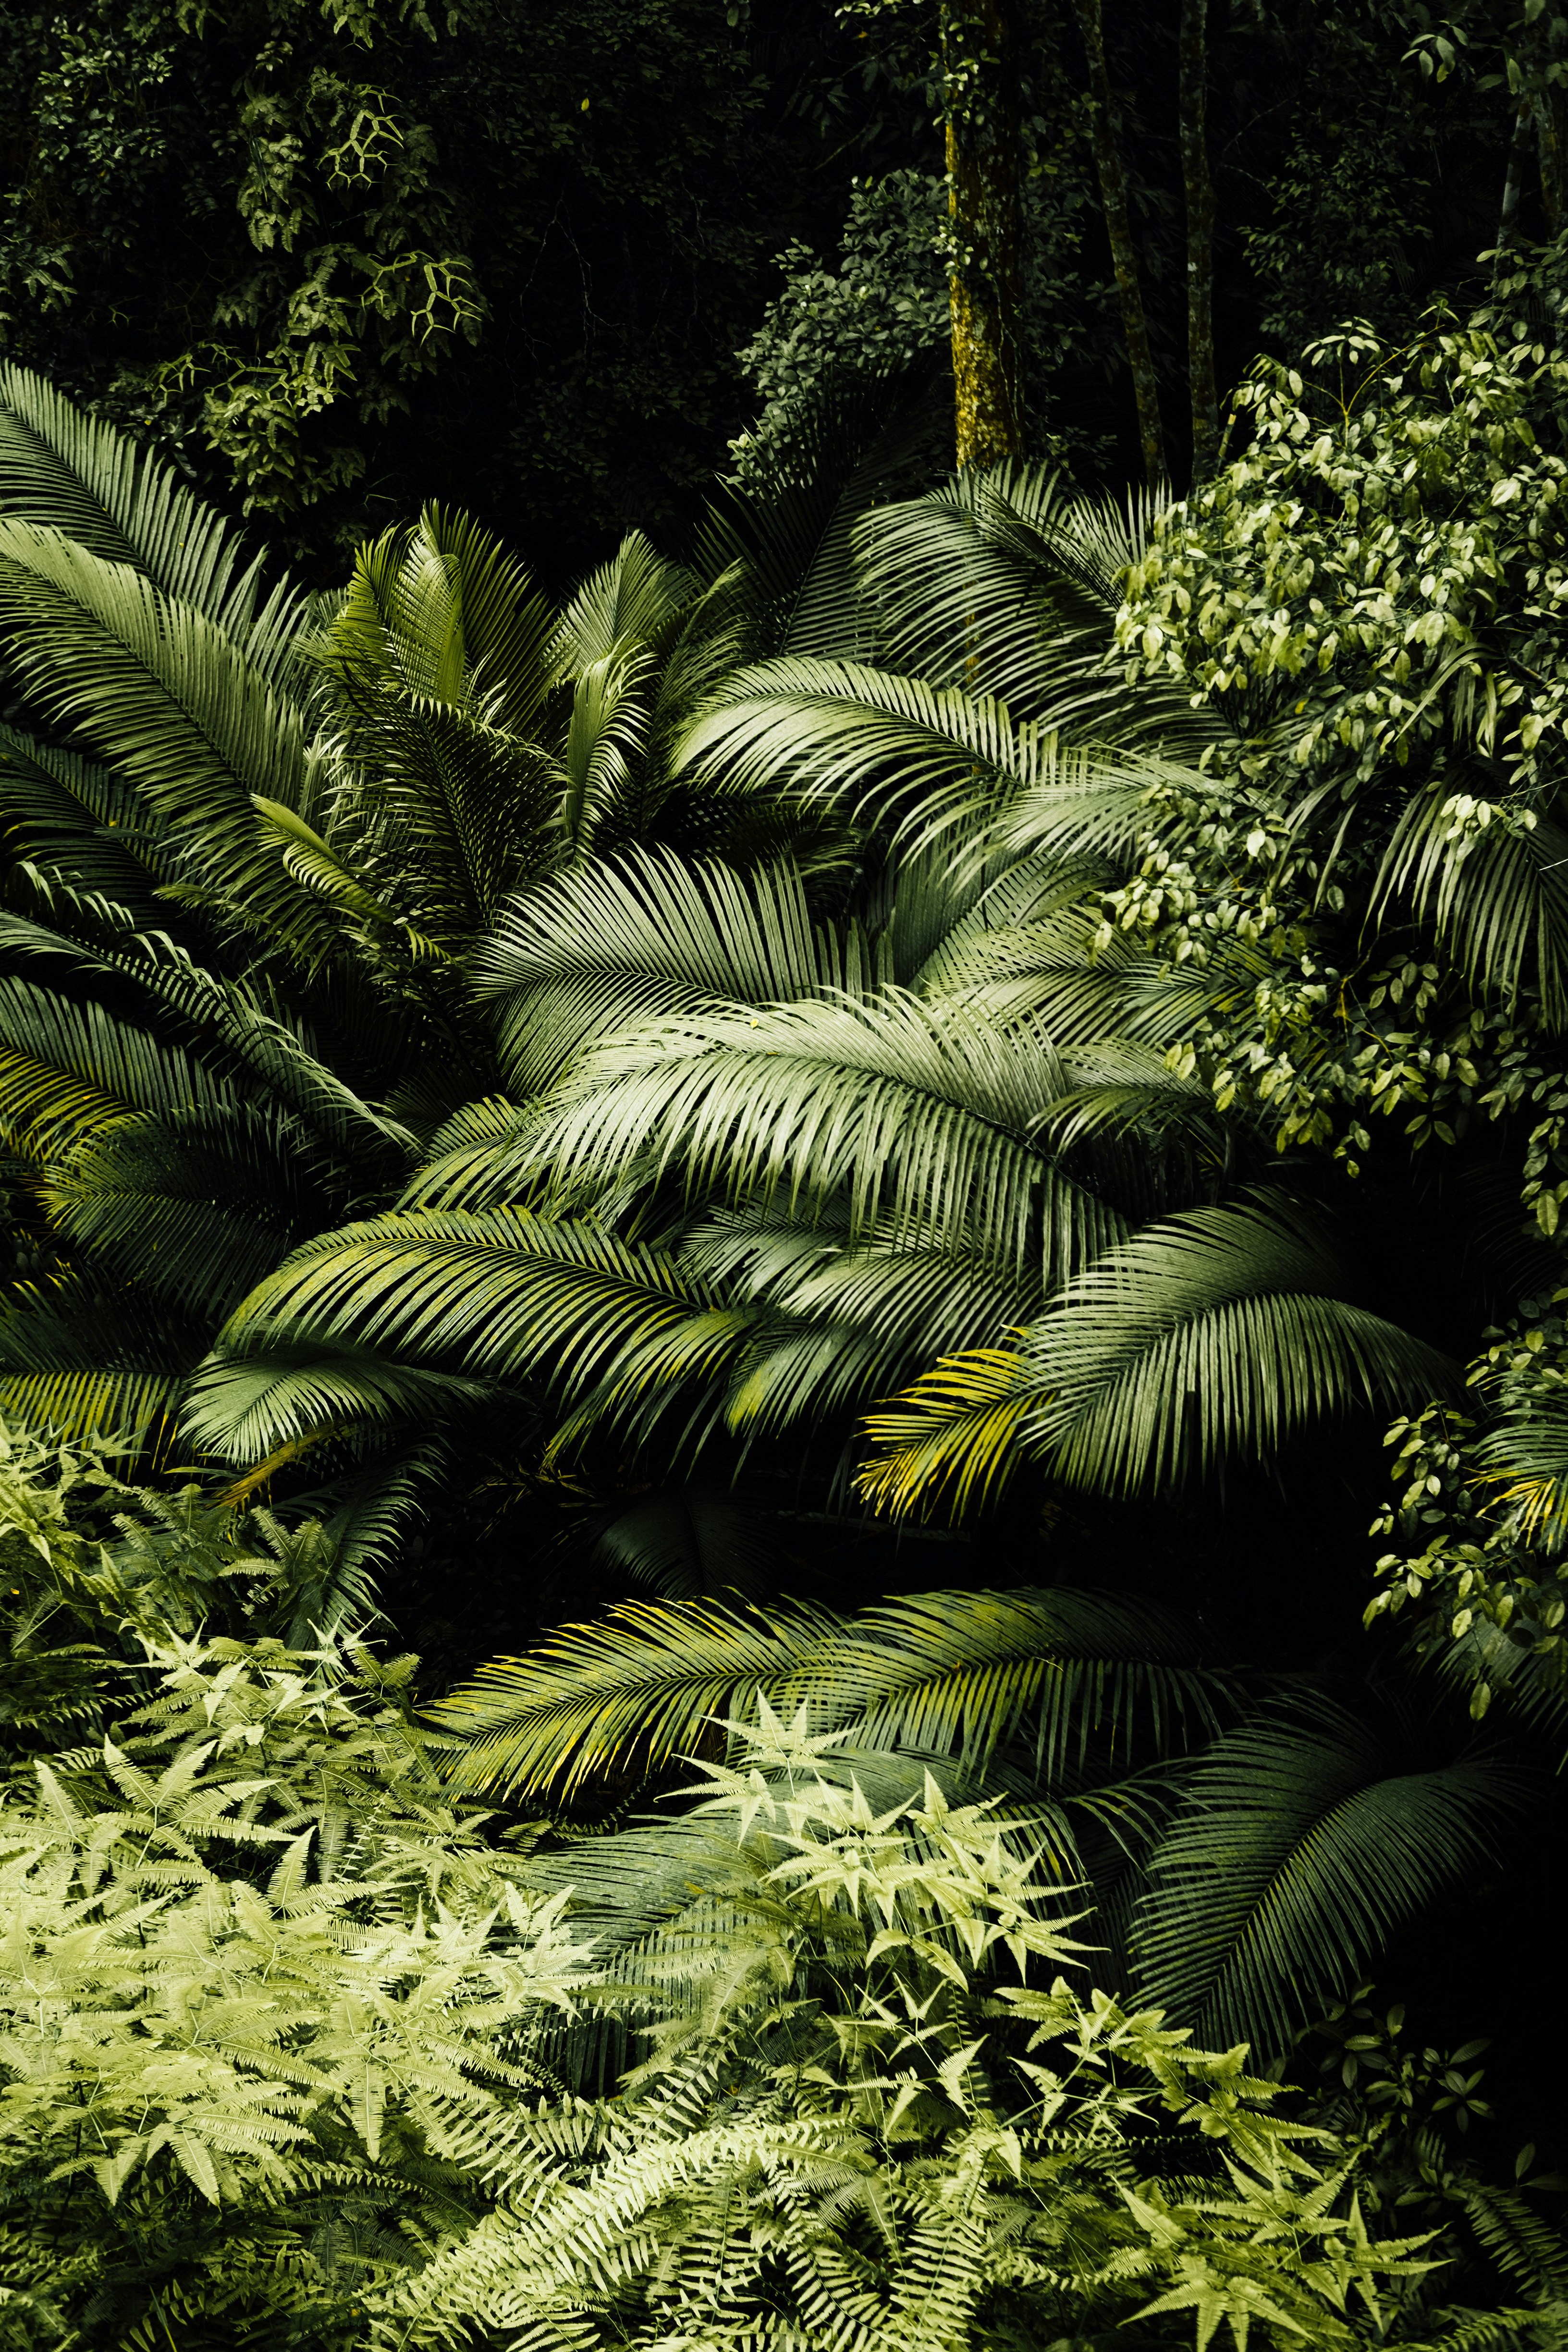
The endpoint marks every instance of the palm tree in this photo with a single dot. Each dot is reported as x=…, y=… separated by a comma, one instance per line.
x=254, y=840
x=777, y=1171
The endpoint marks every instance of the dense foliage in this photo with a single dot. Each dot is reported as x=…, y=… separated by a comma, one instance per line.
x=340, y=260
x=884, y=1151
x=295, y=2051
x=301, y=245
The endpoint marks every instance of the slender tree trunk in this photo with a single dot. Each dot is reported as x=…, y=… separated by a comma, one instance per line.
x=1199, y=188
x=1550, y=130
x=985, y=280
x=1123, y=253
x=1514, y=183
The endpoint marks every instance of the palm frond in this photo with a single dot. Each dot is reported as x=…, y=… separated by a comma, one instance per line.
x=1299, y=1848
x=459, y=1169
x=959, y=1674
x=169, y=696
x=68, y=1072
x=607, y=739
x=1212, y=1331
x=637, y=598
x=76, y=823
x=75, y=474
x=682, y=1542
x=849, y=1325
x=842, y=730
x=215, y=1021
x=441, y=818
x=1498, y=898
x=435, y=1300
x=88, y=1366
x=443, y=614
x=1006, y=582
x=604, y=947
x=918, y=1113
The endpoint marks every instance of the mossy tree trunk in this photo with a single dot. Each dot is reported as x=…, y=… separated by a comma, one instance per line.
x=980, y=75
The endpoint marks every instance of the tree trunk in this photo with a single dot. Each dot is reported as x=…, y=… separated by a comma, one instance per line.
x=1123, y=253
x=985, y=277
x=1513, y=183
x=1549, y=128
x=1199, y=188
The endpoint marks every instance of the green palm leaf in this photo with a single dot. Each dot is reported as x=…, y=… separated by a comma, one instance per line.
x=842, y=730
x=785, y=541
x=443, y=614
x=842, y=1323
x=443, y=817
x=85, y=1366
x=72, y=473
x=638, y=598
x=1498, y=898
x=604, y=947
x=607, y=741
x=451, y=1295
x=74, y=824
x=685, y=1541
x=218, y=1024
x=70, y=1072
x=168, y=695
x=1213, y=1330
x=1300, y=1849
x=1006, y=583
x=955, y=1673
x=919, y=1114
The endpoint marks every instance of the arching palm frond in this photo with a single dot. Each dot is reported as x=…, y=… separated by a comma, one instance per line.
x=441, y=819
x=71, y=1072
x=605, y=751
x=466, y=1296
x=439, y=676
x=637, y=598
x=1008, y=583
x=809, y=1329
x=839, y=1323
x=1212, y=1331
x=1522, y=1456
x=87, y=1366
x=605, y=947
x=282, y=1397
x=918, y=1114
x=238, y=1042
x=176, y=1154
x=71, y=824
x=955, y=1673
x=1125, y=1088
x=194, y=1212
x=1057, y=973
x=1300, y=1846
x=459, y=1169
x=70, y=472
x=935, y=909
x=1497, y=899
x=881, y=744
x=169, y=698
x=441, y=612
x=981, y=548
